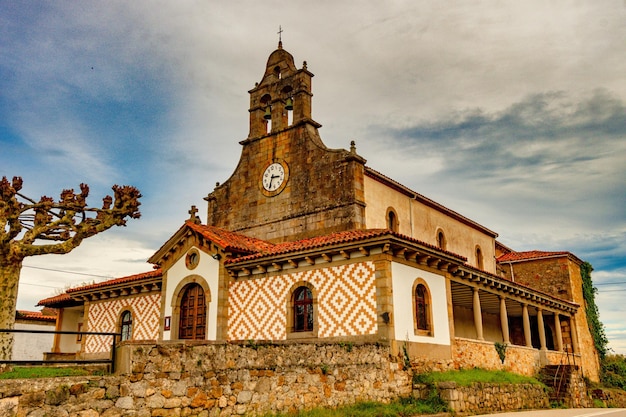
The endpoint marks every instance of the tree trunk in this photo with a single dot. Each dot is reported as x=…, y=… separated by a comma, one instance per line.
x=9, y=280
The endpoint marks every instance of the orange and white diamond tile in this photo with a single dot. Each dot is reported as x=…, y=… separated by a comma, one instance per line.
x=104, y=317
x=346, y=303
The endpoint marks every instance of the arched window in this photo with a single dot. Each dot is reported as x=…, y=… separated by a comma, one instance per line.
x=479, y=258
x=422, y=309
x=302, y=310
x=392, y=220
x=126, y=325
x=192, y=323
x=441, y=240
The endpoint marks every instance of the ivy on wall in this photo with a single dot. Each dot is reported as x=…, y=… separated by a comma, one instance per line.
x=591, y=309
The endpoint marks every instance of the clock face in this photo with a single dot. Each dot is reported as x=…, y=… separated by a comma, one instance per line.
x=273, y=177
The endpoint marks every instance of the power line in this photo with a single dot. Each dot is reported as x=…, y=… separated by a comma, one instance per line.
x=68, y=272
x=40, y=285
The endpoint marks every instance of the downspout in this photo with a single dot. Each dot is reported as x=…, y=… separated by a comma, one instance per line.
x=512, y=272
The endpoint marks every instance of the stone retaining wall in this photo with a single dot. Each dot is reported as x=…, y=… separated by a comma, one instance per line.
x=482, y=398
x=212, y=379
x=221, y=379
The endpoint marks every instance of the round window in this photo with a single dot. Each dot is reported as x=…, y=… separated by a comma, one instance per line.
x=192, y=259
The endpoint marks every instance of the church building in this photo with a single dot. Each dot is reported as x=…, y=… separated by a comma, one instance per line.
x=309, y=244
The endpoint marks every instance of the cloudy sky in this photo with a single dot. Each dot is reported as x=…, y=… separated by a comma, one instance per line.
x=512, y=113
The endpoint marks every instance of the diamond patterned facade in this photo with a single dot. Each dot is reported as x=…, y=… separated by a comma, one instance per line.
x=346, y=303
x=104, y=317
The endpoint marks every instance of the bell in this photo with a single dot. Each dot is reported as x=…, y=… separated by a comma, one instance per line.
x=268, y=113
x=289, y=104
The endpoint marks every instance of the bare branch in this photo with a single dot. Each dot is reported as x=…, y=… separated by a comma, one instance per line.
x=66, y=222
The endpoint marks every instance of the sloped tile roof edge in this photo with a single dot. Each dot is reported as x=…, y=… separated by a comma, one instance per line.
x=230, y=241
x=116, y=281
x=372, y=173
x=227, y=240
x=319, y=242
x=534, y=255
x=66, y=297
x=61, y=299
x=34, y=315
x=517, y=284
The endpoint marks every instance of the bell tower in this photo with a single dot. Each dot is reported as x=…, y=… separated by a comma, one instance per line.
x=288, y=185
x=282, y=98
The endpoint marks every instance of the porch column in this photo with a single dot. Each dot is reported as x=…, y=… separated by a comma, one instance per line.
x=504, y=321
x=526, y=320
x=478, y=316
x=542, y=330
x=559, y=335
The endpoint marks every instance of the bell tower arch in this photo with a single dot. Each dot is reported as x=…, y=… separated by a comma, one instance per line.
x=283, y=97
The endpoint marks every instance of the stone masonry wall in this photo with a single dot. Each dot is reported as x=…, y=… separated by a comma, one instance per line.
x=221, y=379
x=211, y=379
x=560, y=276
x=482, y=398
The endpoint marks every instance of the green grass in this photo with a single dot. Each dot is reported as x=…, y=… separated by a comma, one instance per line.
x=466, y=377
x=401, y=408
x=43, y=372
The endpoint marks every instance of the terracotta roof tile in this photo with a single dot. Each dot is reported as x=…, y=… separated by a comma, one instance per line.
x=34, y=315
x=533, y=254
x=58, y=300
x=131, y=278
x=231, y=241
x=327, y=240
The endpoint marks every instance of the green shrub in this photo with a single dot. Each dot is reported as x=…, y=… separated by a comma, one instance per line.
x=614, y=371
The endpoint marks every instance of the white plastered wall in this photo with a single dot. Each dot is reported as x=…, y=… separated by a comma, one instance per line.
x=403, y=277
x=208, y=270
x=32, y=346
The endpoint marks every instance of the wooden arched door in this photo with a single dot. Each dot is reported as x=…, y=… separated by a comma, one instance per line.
x=192, y=324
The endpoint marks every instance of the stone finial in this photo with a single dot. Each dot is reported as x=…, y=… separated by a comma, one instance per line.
x=192, y=215
x=303, y=64
x=352, y=147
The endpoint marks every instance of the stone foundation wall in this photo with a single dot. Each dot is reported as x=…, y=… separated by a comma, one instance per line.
x=211, y=379
x=222, y=379
x=250, y=378
x=482, y=398
x=521, y=360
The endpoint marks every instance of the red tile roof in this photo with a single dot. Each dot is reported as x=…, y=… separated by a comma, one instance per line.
x=34, y=315
x=124, y=280
x=66, y=300
x=58, y=300
x=327, y=240
x=533, y=254
x=230, y=241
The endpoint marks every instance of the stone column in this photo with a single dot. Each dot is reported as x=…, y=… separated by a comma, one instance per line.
x=526, y=320
x=559, y=334
x=478, y=316
x=542, y=330
x=504, y=321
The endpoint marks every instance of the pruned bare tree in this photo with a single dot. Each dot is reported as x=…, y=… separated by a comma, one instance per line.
x=29, y=227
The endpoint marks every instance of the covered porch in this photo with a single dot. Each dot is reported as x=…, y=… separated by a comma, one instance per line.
x=537, y=329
